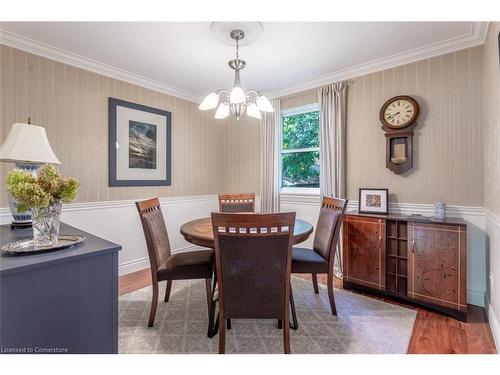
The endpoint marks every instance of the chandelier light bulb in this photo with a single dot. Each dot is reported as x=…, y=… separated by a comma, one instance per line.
x=237, y=95
x=210, y=102
x=222, y=111
x=264, y=104
x=236, y=100
x=253, y=111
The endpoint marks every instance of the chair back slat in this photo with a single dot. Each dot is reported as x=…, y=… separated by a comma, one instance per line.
x=155, y=232
x=241, y=202
x=328, y=227
x=253, y=256
x=334, y=203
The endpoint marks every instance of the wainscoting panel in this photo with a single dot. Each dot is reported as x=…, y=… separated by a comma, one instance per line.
x=493, y=273
x=119, y=222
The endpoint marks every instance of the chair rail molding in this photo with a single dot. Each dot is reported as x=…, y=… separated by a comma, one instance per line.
x=108, y=219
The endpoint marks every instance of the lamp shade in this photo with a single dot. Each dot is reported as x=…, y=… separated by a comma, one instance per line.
x=27, y=143
x=253, y=111
x=264, y=104
x=237, y=95
x=222, y=111
x=210, y=102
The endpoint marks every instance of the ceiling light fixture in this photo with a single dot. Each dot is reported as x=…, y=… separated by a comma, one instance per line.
x=236, y=100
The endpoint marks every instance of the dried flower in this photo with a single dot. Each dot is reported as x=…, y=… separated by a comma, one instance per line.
x=48, y=187
x=68, y=189
x=49, y=178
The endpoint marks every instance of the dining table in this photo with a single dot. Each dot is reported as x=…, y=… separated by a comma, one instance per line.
x=200, y=232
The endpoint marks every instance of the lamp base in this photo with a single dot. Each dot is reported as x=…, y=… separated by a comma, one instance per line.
x=22, y=219
x=23, y=225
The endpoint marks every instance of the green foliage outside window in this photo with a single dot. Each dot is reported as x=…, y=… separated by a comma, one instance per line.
x=300, y=169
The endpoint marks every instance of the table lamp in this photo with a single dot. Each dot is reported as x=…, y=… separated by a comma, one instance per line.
x=27, y=146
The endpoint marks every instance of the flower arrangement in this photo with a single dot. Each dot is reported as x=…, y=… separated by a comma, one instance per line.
x=43, y=190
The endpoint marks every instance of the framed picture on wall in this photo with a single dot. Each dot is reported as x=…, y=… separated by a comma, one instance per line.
x=373, y=201
x=139, y=145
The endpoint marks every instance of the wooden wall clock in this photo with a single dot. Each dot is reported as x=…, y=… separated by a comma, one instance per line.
x=398, y=116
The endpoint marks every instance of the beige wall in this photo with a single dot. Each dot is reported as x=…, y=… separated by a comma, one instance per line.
x=299, y=99
x=71, y=104
x=242, y=155
x=211, y=156
x=491, y=126
x=491, y=120
x=447, y=156
x=447, y=142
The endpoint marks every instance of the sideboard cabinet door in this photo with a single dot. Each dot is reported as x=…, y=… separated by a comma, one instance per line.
x=437, y=266
x=364, y=251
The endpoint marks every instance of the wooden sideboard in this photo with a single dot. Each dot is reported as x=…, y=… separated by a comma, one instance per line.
x=414, y=258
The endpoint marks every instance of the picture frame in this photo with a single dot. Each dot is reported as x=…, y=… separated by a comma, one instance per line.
x=139, y=145
x=373, y=201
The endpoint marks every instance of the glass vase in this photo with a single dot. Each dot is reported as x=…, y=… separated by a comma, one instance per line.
x=46, y=224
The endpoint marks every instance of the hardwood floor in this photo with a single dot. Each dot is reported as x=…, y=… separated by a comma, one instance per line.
x=433, y=333
x=133, y=281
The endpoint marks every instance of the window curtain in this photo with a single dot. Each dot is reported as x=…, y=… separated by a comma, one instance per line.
x=270, y=159
x=333, y=128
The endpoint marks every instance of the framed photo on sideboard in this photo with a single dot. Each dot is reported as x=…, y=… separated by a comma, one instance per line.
x=373, y=201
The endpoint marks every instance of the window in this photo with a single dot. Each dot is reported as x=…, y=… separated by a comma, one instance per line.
x=300, y=148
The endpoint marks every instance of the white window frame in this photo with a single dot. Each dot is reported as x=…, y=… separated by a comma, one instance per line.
x=290, y=112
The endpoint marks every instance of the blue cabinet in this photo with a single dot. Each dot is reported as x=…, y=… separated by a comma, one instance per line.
x=64, y=301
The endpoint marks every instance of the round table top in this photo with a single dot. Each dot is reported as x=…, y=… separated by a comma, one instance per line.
x=200, y=232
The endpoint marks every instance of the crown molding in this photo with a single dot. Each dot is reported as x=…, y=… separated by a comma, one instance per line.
x=476, y=36
x=38, y=48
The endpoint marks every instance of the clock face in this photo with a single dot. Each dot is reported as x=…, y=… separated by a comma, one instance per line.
x=399, y=113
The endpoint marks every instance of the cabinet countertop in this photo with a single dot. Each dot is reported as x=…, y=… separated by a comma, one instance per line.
x=92, y=246
x=413, y=218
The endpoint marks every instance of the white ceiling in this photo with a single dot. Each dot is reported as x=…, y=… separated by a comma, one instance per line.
x=186, y=59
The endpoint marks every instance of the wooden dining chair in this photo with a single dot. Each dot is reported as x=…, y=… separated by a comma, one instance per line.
x=253, y=256
x=240, y=202
x=165, y=265
x=321, y=257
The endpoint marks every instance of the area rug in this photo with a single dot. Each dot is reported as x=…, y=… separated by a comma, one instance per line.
x=363, y=325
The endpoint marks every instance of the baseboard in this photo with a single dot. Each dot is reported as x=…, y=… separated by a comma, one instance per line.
x=493, y=232
x=133, y=266
x=494, y=324
x=143, y=263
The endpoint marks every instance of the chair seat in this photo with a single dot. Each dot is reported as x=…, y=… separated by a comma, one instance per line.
x=187, y=265
x=308, y=261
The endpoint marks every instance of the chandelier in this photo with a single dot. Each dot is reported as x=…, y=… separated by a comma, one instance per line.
x=236, y=100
